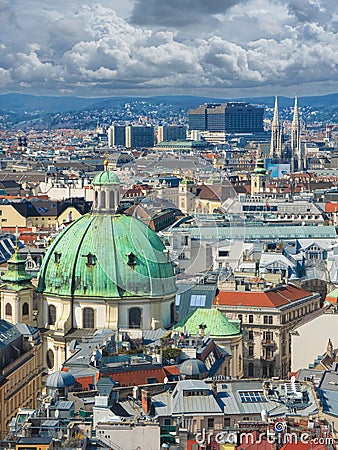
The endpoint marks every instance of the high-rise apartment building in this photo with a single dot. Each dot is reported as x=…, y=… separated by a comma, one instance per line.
x=229, y=117
x=116, y=136
x=168, y=133
x=140, y=136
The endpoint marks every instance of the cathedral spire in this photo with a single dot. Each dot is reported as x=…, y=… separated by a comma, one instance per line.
x=295, y=120
x=275, y=120
x=276, y=135
x=296, y=146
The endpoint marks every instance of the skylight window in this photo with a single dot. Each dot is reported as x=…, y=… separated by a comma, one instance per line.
x=198, y=300
x=251, y=396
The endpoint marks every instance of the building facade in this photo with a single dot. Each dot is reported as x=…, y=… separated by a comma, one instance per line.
x=268, y=318
x=140, y=136
x=105, y=270
x=227, y=117
x=21, y=367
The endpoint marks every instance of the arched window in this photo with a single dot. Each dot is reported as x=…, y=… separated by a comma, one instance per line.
x=25, y=309
x=8, y=309
x=50, y=359
x=135, y=315
x=172, y=312
x=51, y=315
x=103, y=200
x=112, y=200
x=88, y=318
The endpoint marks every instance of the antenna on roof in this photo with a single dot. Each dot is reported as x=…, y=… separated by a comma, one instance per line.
x=16, y=248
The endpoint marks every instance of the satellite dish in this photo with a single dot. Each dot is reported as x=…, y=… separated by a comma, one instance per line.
x=165, y=381
x=293, y=379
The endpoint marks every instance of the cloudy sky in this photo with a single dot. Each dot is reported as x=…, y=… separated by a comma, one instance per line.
x=147, y=47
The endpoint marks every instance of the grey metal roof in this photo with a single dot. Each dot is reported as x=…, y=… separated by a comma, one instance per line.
x=249, y=233
x=176, y=402
x=153, y=336
x=64, y=405
x=193, y=368
x=50, y=423
x=8, y=333
x=228, y=395
x=60, y=379
x=105, y=385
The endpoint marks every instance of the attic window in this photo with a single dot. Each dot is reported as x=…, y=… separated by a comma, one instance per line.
x=57, y=257
x=131, y=259
x=91, y=259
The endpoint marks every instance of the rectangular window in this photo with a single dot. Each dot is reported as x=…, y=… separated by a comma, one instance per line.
x=223, y=253
x=210, y=423
x=268, y=320
x=268, y=336
x=251, y=350
x=250, y=319
x=227, y=422
x=198, y=300
x=251, y=335
x=178, y=300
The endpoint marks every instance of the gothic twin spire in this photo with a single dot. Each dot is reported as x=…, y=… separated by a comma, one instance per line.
x=277, y=134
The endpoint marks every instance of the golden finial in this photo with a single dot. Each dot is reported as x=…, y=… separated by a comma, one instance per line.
x=217, y=302
x=106, y=161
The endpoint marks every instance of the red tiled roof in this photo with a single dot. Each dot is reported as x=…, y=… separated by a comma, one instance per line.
x=172, y=370
x=271, y=299
x=303, y=446
x=139, y=377
x=331, y=207
x=249, y=444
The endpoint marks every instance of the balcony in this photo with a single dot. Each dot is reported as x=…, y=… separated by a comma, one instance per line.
x=268, y=343
x=268, y=358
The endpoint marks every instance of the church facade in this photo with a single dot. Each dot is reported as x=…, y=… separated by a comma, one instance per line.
x=105, y=270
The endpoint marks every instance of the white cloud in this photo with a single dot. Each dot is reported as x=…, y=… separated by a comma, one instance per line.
x=267, y=46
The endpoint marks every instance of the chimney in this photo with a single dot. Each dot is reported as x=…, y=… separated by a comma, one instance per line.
x=145, y=401
x=214, y=389
x=329, y=348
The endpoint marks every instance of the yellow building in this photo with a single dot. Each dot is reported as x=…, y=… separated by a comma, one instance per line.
x=39, y=214
x=21, y=376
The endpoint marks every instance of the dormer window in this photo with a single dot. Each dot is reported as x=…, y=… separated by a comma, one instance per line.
x=91, y=259
x=57, y=257
x=131, y=259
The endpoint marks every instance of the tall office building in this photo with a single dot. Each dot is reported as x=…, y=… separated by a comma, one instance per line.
x=168, y=133
x=198, y=118
x=116, y=136
x=229, y=117
x=140, y=136
x=243, y=118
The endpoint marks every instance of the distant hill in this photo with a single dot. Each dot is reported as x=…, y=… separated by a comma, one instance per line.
x=46, y=104
x=15, y=102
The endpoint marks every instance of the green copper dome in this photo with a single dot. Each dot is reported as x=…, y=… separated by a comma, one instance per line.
x=110, y=256
x=105, y=177
x=216, y=323
x=260, y=167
